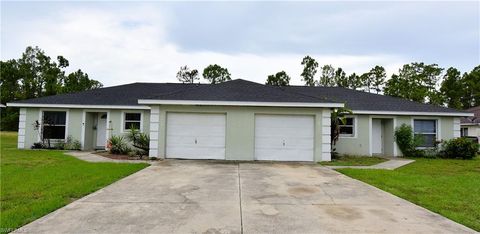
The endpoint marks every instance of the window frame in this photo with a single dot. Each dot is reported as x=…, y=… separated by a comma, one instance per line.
x=124, y=121
x=354, y=127
x=40, y=117
x=463, y=131
x=437, y=129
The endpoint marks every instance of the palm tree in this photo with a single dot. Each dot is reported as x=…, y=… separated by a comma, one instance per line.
x=338, y=117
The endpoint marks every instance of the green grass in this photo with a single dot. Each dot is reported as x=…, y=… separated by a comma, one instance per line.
x=36, y=182
x=354, y=161
x=448, y=187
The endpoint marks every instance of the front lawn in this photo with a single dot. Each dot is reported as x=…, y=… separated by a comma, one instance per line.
x=448, y=187
x=36, y=182
x=354, y=161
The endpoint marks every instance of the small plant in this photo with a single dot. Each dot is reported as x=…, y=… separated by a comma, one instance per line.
x=407, y=141
x=459, y=148
x=117, y=145
x=140, y=140
x=37, y=145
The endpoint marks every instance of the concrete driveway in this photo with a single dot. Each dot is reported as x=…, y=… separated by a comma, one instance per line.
x=221, y=197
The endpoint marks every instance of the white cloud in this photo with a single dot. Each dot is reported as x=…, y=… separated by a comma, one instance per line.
x=123, y=46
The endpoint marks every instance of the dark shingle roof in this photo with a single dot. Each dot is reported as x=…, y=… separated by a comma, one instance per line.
x=237, y=90
x=472, y=120
x=241, y=90
x=358, y=100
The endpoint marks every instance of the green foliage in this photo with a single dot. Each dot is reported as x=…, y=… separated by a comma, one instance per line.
x=449, y=187
x=309, y=70
x=376, y=78
x=407, y=142
x=416, y=82
x=70, y=144
x=337, y=117
x=354, y=81
x=471, y=87
x=340, y=78
x=186, y=75
x=139, y=140
x=459, y=148
x=327, y=76
x=36, y=75
x=216, y=74
x=279, y=79
x=117, y=145
x=452, y=88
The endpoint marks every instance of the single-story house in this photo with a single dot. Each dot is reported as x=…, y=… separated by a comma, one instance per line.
x=470, y=126
x=234, y=120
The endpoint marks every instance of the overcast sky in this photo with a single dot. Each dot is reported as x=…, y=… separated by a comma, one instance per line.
x=124, y=42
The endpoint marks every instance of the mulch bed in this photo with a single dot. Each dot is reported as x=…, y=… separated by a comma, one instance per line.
x=117, y=156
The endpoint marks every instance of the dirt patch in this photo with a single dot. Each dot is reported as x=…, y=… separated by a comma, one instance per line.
x=118, y=156
x=343, y=213
x=301, y=191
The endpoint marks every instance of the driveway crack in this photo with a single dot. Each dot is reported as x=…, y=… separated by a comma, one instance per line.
x=240, y=197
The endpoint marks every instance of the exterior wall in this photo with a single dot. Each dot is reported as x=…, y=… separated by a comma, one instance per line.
x=473, y=130
x=448, y=128
x=240, y=128
x=79, y=124
x=359, y=144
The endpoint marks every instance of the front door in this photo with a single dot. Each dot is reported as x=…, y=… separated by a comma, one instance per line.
x=377, y=136
x=101, y=130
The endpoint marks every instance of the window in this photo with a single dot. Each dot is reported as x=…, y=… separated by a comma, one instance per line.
x=132, y=120
x=347, y=129
x=426, y=129
x=464, y=132
x=54, y=124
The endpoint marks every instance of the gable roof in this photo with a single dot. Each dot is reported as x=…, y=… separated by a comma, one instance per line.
x=472, y=120
x=235, y=92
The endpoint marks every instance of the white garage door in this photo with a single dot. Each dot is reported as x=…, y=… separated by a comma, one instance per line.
x=284, y=137
x=195, y=136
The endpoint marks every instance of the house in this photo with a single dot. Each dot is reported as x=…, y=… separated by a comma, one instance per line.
x=234, y=120
x=470, y=126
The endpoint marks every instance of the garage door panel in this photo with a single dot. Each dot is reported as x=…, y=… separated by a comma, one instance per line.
x=196, y=136
x=284, y=137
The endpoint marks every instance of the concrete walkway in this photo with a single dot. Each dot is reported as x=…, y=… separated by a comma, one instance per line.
x=91, y=157
x=391, y=164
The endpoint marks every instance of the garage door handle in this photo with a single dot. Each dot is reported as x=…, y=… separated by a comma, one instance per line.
x=283, y=142
x=195, y=140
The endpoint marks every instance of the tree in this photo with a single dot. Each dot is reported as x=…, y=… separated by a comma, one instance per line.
x=354, y=82
x=377, y=78
x=185, y=75
x=416, y=82
x=216, y=74
x=279, y=79
x=451, y=88
x=35, y=75
x=309, y=70
x=78, y=81
x=327, y=77
x=337, y=118
x=366, y=81
x=340, y=78
x=471, y=86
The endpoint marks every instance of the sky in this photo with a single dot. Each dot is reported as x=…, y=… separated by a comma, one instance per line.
x=125, y=42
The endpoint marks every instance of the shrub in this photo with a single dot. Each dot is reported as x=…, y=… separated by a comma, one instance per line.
x=139, y=139
x=69, y=144
x=117, y=145
x=459, y=148
x=37, y=145
x=407, y=142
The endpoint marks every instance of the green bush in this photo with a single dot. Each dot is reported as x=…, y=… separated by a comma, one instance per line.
x=117, y=145
x=69, y=144
x=140, y=140
x=459, y=148
x=407, y=142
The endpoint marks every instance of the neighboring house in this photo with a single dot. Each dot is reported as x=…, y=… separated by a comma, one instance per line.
x=470, y=126
x=234, y=120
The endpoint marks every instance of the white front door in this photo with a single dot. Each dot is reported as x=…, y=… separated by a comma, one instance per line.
x=377, y=136
x=101, y=130
x=284, y=137
x=196, y=136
